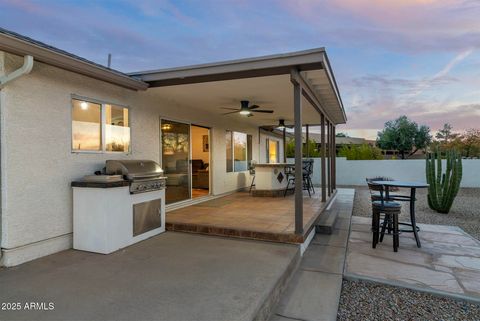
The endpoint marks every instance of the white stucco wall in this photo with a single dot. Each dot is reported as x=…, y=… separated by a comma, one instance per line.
x=354, y=172
x=37, y=162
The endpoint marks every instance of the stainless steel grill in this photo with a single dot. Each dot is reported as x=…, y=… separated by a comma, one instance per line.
x=143, y=175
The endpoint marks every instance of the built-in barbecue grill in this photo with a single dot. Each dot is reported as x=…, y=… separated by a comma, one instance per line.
x=143, y=175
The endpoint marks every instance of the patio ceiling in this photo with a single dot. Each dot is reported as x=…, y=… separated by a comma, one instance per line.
x=272, y=92
x=265, y=81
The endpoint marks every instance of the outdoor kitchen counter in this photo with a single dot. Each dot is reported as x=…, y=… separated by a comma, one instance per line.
x=270, y=179
x=99, y=184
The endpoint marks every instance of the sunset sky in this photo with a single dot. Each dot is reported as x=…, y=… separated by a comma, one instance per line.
x=415, y=57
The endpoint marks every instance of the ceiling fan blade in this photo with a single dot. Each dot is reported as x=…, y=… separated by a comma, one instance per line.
x=262, y=111
x=254, y=107
x=232, y=112
x=229, y=108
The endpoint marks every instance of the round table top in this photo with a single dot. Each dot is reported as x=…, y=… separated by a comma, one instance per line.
x=402, y=184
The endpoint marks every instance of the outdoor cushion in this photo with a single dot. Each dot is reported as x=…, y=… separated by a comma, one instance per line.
x=386, y=204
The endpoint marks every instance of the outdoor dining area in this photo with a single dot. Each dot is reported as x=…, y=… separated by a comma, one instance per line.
x=278, y=179
x=387, y=206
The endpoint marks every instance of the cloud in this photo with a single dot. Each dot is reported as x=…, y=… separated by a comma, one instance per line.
x=431, y=100
x=440, y=76
x=414, y=57
x=402, y=26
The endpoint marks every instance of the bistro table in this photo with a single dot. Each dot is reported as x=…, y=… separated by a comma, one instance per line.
x=413, y=188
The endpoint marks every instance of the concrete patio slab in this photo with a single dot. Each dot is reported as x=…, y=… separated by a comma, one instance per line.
x=337, y=238
x=324, y=258
x=448, y=263
x=314, y=292
x=311, y=296
x=173, y=276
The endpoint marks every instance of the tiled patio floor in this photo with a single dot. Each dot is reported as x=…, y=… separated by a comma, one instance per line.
x=448, y=263
x=242, y=215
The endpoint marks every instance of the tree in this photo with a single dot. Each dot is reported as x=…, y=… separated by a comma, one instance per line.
x=360, y=152
x=445, y=134
x=341, y=135
x=471, y=143
x=404, y=135
x=312, y=148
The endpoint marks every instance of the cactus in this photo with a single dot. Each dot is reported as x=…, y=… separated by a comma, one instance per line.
x=443, y=187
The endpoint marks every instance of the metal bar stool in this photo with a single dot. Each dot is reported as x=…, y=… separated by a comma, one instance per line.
x=391, y=210
x=251, y=170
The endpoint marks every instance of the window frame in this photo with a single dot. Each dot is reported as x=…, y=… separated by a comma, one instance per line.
x=232, y=146
x=277, y=151
x=103, y=117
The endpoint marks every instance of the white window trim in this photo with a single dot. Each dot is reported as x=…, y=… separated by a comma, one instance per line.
x=103, y=117
x=232, y=145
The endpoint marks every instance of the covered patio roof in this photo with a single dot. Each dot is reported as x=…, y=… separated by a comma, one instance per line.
x=266, y=81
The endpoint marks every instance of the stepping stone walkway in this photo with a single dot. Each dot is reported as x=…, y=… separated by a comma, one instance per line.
x=447, y=264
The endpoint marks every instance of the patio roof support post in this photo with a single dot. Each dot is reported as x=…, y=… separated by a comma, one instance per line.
x=329, y=172
x=334, y=159
x=324, y=152
x=284, y=145
x=297, y=108
x=306, y=141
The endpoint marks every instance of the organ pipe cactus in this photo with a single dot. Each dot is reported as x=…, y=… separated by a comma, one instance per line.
x=443, y=187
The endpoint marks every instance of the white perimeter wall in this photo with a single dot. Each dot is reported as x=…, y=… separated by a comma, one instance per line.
x=354, y=172
x=38, y=165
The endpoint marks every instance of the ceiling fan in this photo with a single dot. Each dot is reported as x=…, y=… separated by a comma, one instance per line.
x=246, y=110
x=281, y=125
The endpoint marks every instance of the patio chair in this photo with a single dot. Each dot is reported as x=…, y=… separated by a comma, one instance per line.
x=251, y=170
x=307, y=172
x=391, y=210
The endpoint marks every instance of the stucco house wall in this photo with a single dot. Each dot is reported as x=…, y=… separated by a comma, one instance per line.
x=37, y=164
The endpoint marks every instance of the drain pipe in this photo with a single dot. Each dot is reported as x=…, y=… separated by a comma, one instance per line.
x=25, y=69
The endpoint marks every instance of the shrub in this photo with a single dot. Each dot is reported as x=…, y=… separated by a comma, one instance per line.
x=360, y=152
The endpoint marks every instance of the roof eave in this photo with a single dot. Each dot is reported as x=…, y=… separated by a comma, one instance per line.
x=234, y=69
x=21, y=47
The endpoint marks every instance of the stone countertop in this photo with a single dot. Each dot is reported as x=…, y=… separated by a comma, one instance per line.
x=100, y=184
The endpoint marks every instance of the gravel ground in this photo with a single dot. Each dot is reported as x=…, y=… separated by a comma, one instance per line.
x=465, y=211
x=372, y=301
x=369, y=301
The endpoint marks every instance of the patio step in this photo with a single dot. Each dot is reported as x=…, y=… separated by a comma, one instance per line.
x=326, y=222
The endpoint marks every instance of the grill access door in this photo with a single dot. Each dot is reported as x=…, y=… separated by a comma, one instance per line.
x=147, y=216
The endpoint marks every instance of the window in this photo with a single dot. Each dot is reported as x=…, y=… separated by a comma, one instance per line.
x=239, y=152
x=249, y=150
x=99, y=127
x=86, y=129
x=238, y=147
x=117, y=130
x=228, y=140
x=272, y=151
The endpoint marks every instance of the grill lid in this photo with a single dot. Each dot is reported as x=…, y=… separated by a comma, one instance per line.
x=134, y=169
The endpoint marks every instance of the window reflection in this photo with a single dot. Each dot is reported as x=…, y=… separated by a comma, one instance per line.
x=86, y=129
x=117, y=129
x=240, y=152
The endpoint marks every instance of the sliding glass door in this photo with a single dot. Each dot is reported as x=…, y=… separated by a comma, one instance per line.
x=175, y=149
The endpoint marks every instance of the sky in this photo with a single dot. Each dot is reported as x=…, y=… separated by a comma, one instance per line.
x=419, y=58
